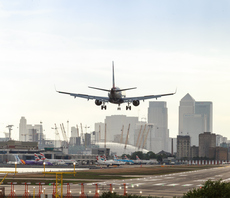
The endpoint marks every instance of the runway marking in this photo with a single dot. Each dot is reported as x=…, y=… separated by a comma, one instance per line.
x=152, y=180
x=160, y=184
x=200, y=180
x=173, y=185
x=188, y=185
x=168, y=177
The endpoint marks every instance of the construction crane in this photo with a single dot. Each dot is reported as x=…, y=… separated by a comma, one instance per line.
x=146, y=137
x=10, y=129
x=121, y=140
x=138, y=137
x=64, y=133
x=126, y=141
x=143, y=133
x=57, y=135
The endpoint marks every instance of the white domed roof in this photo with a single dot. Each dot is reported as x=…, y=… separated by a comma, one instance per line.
x=119, y=148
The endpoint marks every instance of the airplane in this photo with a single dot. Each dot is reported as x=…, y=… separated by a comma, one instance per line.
x=138, y=160
x=17, y=161
x=102, y=161
x=53, y=161
x=115, y=96
x=31, y=162
x=126, y=161
x=58, y=161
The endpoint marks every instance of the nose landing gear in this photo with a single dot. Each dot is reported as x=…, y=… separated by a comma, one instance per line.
x=118, y=108
x=103, y=106
x=128, y=107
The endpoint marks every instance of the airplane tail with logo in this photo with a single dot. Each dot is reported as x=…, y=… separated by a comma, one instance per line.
x=36, y=157
x=98, y=158
x=138, y=158
x=18, y=160
x=126, y=157
x=43, y=156
x=115, y=158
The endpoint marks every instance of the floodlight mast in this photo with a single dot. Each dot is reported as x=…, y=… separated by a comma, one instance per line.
x=10, y=129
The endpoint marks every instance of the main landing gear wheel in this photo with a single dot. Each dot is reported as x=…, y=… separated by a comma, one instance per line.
x=128, y=107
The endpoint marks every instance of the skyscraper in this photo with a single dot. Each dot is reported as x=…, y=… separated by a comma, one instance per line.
x=194, y=118
x=205, y=110
x=187, y=106
x=158, y=118
x=23, y=129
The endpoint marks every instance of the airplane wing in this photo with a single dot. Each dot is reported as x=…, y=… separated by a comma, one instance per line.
x=131, y=99
x=88, y=97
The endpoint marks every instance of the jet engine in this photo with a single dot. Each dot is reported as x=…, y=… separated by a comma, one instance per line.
x=98, y=102
x=136, y=102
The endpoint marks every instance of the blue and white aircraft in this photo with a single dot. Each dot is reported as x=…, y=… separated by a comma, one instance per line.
x=127, y=161
x=115, y=96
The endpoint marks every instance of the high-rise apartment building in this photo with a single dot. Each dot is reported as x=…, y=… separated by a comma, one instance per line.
x=207, y=140
x=183, y=147
x=158, y=121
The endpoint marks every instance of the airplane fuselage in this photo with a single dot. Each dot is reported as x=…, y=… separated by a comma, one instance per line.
x=115, y=96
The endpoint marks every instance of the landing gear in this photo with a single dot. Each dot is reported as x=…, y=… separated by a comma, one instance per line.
x=128, y=107
x=103, y=107
x=119, y=108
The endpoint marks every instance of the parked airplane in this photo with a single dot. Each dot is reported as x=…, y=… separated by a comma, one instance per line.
x=126, y=161
x=115, y=96
x=31, y=162
x=102, y=161
x=53, y=161
x=17, y=161
x=58, y=161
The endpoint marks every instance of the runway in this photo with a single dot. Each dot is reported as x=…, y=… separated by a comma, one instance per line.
x=163, y=186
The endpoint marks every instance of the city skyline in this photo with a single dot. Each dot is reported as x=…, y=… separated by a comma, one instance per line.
x=156, y=46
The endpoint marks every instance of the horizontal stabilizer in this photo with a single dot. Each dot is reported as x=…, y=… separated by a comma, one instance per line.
x=126, y=89
x=99, y=89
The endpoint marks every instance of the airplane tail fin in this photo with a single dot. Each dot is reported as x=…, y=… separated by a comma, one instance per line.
x=113, y=75
x=43, y=156
x=137, y=158
x=36, y=157
x=17, y=159
x=98, y=158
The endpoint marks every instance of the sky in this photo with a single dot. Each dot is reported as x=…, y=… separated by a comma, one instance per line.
x=157, y=46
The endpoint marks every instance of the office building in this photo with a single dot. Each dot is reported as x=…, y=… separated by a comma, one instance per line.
x=158, y=123
x=194, y=118
x=118, y=125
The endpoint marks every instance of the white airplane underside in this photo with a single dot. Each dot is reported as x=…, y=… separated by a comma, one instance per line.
x=115, y=96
